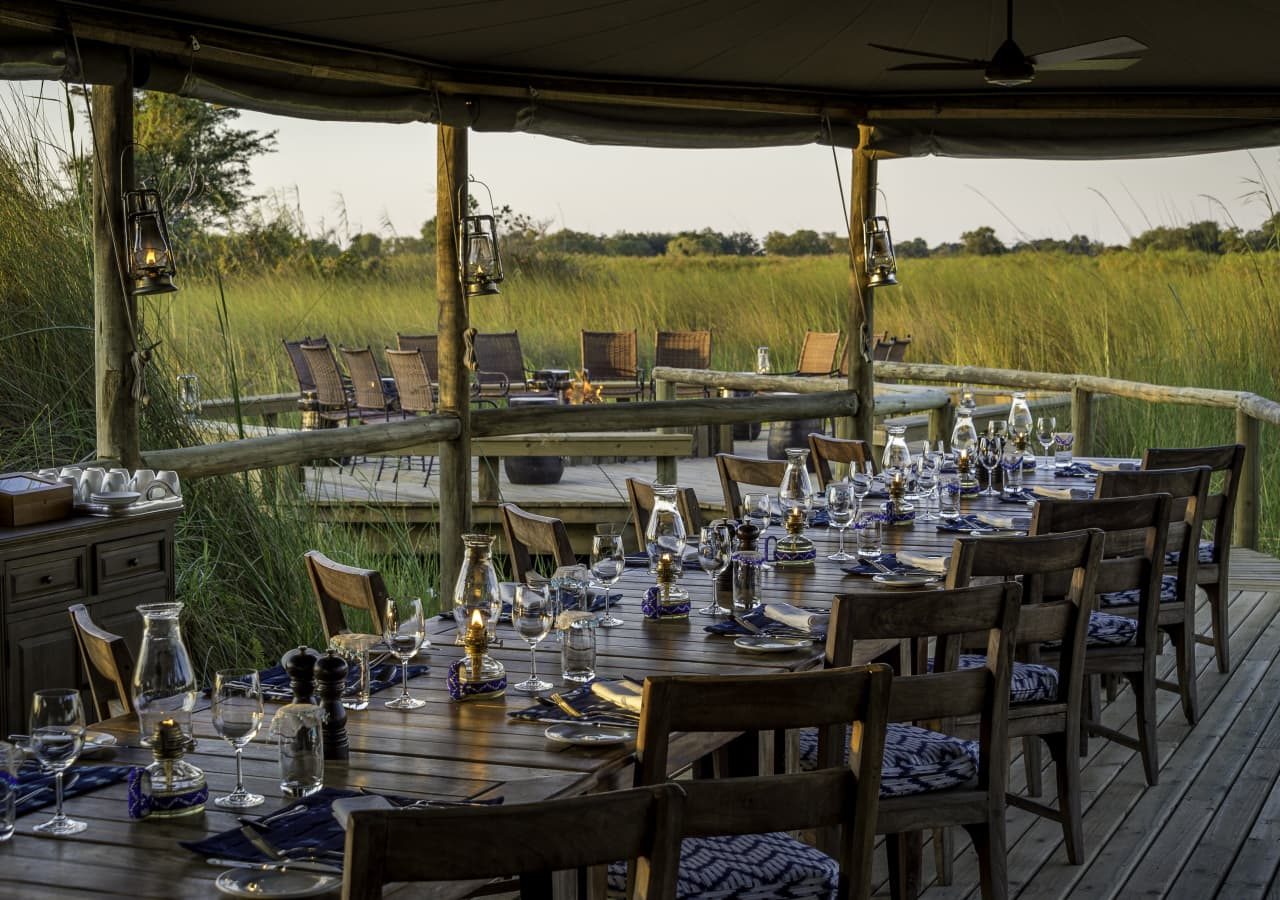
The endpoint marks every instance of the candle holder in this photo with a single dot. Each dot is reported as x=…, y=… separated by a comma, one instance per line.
x=795, y=550
x=477, y=674
x=966, y=471
x=665, y=600
x=170, y=786
x=897, y=510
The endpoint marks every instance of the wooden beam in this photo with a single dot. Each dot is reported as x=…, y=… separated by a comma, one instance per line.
x=861, y=319
x=114, y=307
x=1248, y=508
x=452, y=323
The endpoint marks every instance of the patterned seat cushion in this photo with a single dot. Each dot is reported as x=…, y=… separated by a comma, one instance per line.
x=1204, y=554
x=747, y=867
x=1168, y=593
x=1106, y=630
x=1030, y=682
x=916, y=760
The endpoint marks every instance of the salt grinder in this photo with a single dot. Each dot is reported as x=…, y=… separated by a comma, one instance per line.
x=331, y=682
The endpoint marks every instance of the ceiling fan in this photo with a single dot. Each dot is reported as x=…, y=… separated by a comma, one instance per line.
x=1010, y=67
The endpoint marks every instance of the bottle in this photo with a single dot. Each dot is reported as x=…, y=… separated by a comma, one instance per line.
x=164, y=681
x=170, y=786
x=747, y=561
x=794, y=550
x=477, y=587
x=795, y=489
x=665, y=533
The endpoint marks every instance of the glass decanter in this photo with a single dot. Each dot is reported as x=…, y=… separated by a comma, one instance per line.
x=164, y=681
x=796, y=488
x=665, y=533
x=477, y=587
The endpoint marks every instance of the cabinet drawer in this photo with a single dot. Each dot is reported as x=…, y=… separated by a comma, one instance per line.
x=37, y=579
x=118, y=561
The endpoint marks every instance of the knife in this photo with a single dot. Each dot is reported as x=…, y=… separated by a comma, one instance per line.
x=275, y=867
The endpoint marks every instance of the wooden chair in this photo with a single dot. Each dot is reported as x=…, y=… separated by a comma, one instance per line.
x=108, y=664
x=898, y=348
x=336, y=586
x=682, y=350
x=881, y=351
x=1058, y=573
x=824, y=450
x=609, y=359
x=739, y=470
x=840, y=797
x=529, y=534
x=1188, y=487
x=367, y=386
x=1135, y=530
x=428, y=345
x=1214, y=568
x=531, y=840
x=818, y=353
x=499, y=365
x=415, y=391
x=640, y=497
x=909, y=802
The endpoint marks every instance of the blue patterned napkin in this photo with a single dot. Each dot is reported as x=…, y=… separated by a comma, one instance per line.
x=967, y=524
x=1075, y=470
x=594, y=709
x=1032, y=494
x=36, y=791
x=758, y=618
x=275, y=681
x=888, y=560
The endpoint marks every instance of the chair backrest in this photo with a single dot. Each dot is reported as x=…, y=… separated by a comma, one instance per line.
x=1220, y=504
x=428, y=344
x=499, y=354
x=609, y=355
x=366, y=380
x=529, y=534
x=826, y=450
x=881, y=351
x=640, y=496
x=1135, y=530
x=898, y=349
x=107, y=662
x=531, y=840
x=324, y=373
x=1058, y=573
x=413, y=380
x=301, y=368
x=336, y=586
x=683, y=349
x=838, y=795
x=739, y=470
x=818, y=353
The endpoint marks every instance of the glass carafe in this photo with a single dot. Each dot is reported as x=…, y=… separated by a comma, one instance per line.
x=1020, y=424
x=477, y=586
x=796, y=488
x=897, y=458
x=164, y=681
x=665, y=533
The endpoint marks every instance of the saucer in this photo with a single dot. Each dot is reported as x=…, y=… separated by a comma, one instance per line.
x=115, y=499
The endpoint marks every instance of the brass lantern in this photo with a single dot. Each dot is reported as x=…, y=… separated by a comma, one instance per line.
x=150, y=257
x=479, y=259
x=882, y=265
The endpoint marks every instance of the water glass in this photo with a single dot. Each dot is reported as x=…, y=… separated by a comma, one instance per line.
x=10, y=761
x=1063, y=441
x=763, y=366
x=189, y=395
x=757, y=507
x=927, y=490
x=948, y=496
x=870, y=528
x=355, y=650
x=578, y=652
x=57, y=737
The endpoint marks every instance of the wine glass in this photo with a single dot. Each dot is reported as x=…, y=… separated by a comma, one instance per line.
x=840, y=513
x=989, y=448
x=404, y=629
x=57, y=737
x=757, y=507
x=237, y=716
x=531, y=618
x=860, y=482
x=715, y=548
x=1045, y=427
x=607, y=562
x=926, y=490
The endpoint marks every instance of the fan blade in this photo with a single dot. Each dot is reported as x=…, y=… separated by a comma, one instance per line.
x=975, y=66
x=1108, y=47
x=926, y=54
x=1111, y=64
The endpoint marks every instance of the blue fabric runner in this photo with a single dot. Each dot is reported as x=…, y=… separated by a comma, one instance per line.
x=594, y=709
x=967, y=524
x=36, y=791
x=758, y=618
x=888, y=560
x=275, y=681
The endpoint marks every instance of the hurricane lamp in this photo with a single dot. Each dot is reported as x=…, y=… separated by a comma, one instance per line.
x=882, y=265
x=479, y=258
x=150, y=258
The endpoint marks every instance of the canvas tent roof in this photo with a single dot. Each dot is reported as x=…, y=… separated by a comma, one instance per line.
x=689, y=73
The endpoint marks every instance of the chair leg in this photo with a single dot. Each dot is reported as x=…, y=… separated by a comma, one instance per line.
x=989, y=843
x=1113, y=687
x=1062, y=747
x=1221, y=630
x=1144, y=694
x=906, y=852
x=1033, y=763
x=1184, y=648
x=944, y=855
x=1092, y=710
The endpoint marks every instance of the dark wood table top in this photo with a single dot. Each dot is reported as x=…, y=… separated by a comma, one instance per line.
x=443, y=750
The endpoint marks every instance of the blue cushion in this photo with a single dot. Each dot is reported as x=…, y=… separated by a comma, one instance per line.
x=1204, y=554
x=1168, y=593
x=747, y=867
x=916, y=760
x=1030, y=682
x=1106, y=630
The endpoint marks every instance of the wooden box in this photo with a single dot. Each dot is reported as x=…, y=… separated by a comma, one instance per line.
x=29, y=500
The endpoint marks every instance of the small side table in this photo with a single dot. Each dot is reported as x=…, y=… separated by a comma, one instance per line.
x=557, y=380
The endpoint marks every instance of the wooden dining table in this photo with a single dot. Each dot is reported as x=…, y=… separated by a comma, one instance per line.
x=444, y=750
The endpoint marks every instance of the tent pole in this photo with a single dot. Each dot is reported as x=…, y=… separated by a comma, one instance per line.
x=861, y=323
x=455, y=455
x=114, y=308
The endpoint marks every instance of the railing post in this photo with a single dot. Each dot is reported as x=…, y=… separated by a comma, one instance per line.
x=1247, y=507
x=940, y=423
x=666, y=390
x=860, y=322
x=1082, y=421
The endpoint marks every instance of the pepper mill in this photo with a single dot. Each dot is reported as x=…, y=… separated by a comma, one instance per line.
x=300, y=664
x=331, y=682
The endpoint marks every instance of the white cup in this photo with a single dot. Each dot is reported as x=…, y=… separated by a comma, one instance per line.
x=169, y=479
x=90, y=483
x=115, y=480
x=141, y=480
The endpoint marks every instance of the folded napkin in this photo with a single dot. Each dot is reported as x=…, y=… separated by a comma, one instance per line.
x=794, y=617
x=1031, y=494
x=275, y=681
x=924, y=562
x=762, y=617
x=627, y=694
x=593, y=708
x=984, y=522
x=36, y=790
x=864, y=567
x=1080, y=469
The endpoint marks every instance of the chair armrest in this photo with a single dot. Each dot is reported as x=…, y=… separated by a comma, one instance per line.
x=504, y=384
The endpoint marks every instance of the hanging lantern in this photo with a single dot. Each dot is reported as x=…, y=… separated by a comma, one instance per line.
x=882, y=265
x=479, y=259
x=150, y=258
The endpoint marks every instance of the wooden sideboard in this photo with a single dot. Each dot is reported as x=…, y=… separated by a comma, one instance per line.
x=111, y=565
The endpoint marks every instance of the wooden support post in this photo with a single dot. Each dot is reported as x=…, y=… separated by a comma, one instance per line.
x=861, y=321
x=452, y=323
x=666, y=390
x=1082, y=421
x=114, y=307
x=940, y=424
x=1247, y=507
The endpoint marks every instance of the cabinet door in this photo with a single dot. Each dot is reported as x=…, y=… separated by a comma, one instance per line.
x=39, y=657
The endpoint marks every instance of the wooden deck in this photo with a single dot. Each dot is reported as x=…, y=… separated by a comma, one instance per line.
x=1210, y=828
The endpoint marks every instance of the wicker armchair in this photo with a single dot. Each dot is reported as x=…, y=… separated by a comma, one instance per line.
x=609, y=361
x=368, y=388
x=417, y=393
x=818, y=353
x=682, y=350
x=426, y=343
x=499, y=365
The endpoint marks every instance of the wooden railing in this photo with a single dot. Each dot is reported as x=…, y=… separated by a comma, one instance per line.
x=1250, y=409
